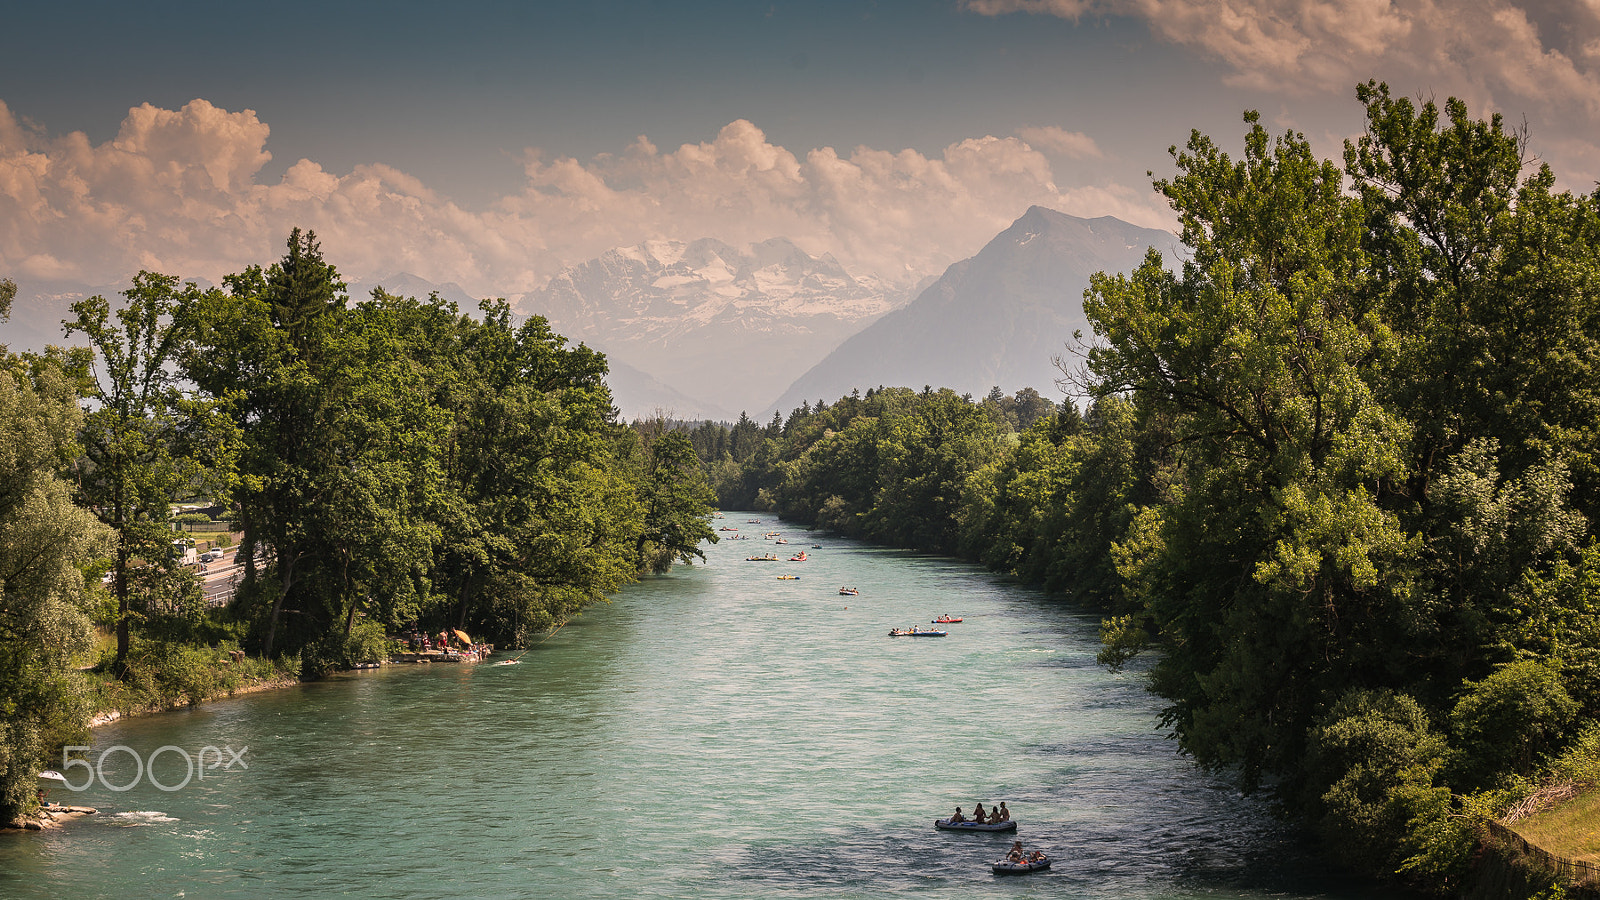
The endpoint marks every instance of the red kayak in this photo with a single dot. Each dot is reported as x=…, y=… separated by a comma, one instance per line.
x=946, y=620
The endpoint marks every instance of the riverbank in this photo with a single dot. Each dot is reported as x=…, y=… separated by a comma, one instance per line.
x=165, y=676
x=47, y=819
x=1510, y=867
x=226, y=678
x=106, y=716
x=1550, y=838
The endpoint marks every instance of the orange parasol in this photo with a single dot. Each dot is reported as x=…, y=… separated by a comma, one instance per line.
x=462, y=635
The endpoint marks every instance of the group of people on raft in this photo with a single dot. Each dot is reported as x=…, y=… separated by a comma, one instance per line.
x=1019, y=855
x=994, y=816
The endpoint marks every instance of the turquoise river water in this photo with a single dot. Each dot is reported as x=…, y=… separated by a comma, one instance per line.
x=716, y=732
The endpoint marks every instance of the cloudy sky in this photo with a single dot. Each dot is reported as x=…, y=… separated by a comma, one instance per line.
x=492, y=143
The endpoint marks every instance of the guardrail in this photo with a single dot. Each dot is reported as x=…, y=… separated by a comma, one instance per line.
x=1574, y=871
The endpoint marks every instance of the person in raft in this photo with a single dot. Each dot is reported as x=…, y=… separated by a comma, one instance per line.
x=1005, y=814
x=958, y=818
x=978, y=815
x=994, y=815
x=1016, y=854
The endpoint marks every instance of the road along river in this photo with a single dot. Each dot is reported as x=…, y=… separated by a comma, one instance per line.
x=716, y=732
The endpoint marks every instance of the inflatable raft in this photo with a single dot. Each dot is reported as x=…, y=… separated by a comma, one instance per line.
x=946, y=825
x=1007, y=867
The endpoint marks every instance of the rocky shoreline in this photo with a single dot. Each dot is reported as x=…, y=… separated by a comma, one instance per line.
x=48, y=818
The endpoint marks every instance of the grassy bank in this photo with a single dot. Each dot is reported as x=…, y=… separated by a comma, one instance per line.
x=167, y=676
x=1546, y=843
x=1570, y=829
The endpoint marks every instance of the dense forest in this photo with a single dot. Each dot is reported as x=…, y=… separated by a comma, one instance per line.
x=391, y=463
x=1342, y=468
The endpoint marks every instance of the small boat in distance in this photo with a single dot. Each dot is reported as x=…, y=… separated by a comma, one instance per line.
x=788, y=577
x=798, y=557
x=849, y=592
x=770, y=557
x=914, y=631
x=946, y=620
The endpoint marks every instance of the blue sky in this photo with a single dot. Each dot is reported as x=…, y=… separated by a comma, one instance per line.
x=455, y=95
x=492, y=143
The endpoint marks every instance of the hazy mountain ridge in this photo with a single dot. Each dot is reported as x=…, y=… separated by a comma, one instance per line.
x=405, y=284
x=998, y=318
x=37, y=311
x=724, y=326
x=40, y=305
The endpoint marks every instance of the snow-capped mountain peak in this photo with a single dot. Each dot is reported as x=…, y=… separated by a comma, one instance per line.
x=684, y=311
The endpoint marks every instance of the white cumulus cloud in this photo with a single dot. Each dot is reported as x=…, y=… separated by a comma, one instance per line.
x=181, y=192
x=1071, y=144
x=1520, y=57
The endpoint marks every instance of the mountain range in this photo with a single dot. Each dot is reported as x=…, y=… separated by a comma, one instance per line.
x=727, y=327
x=38, y=309
x=998, y=319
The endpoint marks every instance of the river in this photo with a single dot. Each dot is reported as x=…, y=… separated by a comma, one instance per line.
x=714, y=732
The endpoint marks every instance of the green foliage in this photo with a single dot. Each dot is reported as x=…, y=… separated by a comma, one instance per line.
x=408, y=465
x=163, y=674
x=1122, y=638
x=144, y=443
x=1373, y=761
x=335, y=650
x=1579, y=764
x=675, y=497
x=46, y=542
x=1510, y=721
x=1379, y=513
x=392, y=463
